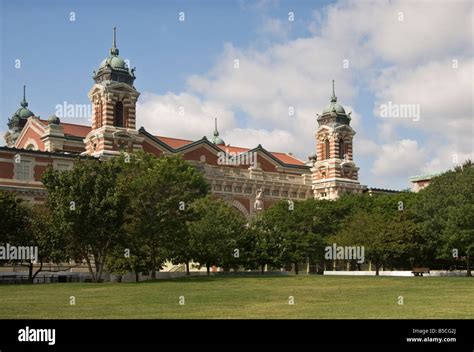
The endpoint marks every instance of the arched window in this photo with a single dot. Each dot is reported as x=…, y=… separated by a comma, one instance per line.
x=327, y=150
x=98, y=118
x=342, y=149
x=118, y=114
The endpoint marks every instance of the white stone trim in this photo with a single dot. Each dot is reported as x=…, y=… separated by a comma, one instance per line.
x=32, y=142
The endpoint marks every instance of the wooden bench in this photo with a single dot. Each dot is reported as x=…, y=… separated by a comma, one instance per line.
x=420, y=271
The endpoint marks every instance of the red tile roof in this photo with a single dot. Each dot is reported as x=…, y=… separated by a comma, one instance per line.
x=82, y=131
x=76, y=130
x=174, y=142
x=284, y=158
x=287, y=159
x=178, y=143
x=71, y=129
x=232, y=149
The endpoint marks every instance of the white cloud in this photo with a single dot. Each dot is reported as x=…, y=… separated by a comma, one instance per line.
x=445, y=158
x=2, y=139
x=275, y=27
x=386, y=132
x=407, y=61
x=399, y=159
x=365, y=147
x=274, y=140
x=267, y=83
x=444, y=95
x=181, y=116
x=429, y=28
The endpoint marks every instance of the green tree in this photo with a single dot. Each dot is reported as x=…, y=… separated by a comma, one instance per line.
x=263, y=244
x=385, y=236
x=160, y=191
x=41, y=233
x=446, y=210
x=88, y=204
x=25, y=225
x=286, y=220
x=13, y=217
x=131, y=257
x=214, y=236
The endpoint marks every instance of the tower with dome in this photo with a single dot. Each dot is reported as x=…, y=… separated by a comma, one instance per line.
x=334, y=171
x=114, y=100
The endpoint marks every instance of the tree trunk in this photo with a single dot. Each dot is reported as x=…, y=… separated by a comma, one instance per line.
x=187, y=268
x=296, y=268
x=153, y=265
x=101, y=266
x=137, y=277
x=89, y=265
x=37, y=271
x=468, y=266
x=263, y=268
x=30, y=272
x=97, y=268
x=208, y=268
x=377, y=268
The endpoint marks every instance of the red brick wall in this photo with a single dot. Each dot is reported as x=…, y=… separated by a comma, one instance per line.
x=6, y=170
x=244, y=201
x=148, y=148
x=195, y=154
x=33, y=135
x=265, y=165
x=39, y=170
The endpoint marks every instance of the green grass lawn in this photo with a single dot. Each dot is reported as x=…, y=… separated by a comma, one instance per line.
x=246, y=297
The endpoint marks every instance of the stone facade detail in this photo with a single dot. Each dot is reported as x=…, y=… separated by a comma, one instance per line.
x=250, y=187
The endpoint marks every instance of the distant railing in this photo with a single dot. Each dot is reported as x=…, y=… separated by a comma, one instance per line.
x=43, y=279
x=245, y=175
x=178, y=268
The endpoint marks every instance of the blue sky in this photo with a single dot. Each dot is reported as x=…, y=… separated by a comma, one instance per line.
x=282, y=63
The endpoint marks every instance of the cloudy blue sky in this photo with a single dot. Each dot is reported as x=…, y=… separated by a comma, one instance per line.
x=288, y=52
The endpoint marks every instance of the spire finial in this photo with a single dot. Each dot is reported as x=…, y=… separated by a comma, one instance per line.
x=114, y=51
x=216, y=132
x=24, y=103
x=216, y=139
x=333, y=98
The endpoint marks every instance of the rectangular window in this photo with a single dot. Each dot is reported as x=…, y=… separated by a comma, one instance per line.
x=23, y=170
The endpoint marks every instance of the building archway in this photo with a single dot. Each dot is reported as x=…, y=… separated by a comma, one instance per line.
x=240, y=207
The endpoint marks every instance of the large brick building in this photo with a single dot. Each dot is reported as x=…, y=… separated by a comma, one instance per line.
x=234, y=173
